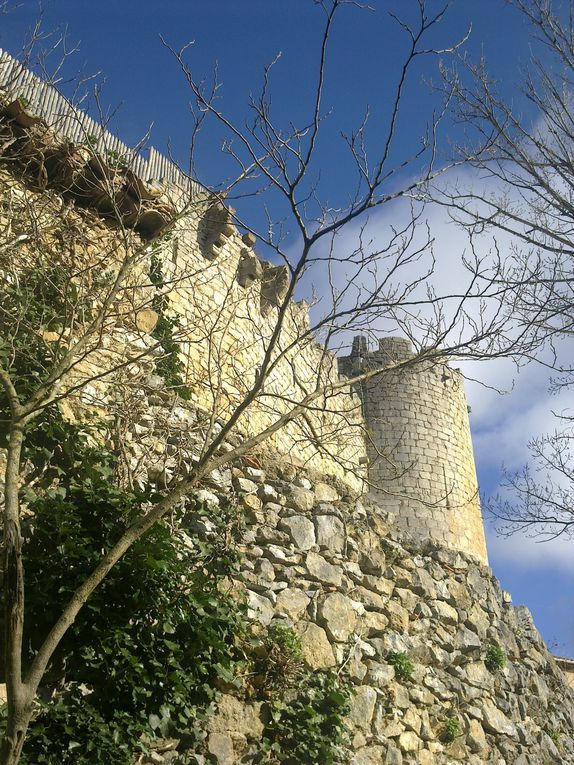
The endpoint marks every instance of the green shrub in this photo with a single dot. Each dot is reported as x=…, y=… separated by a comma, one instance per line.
x=115, y=159
x=281, y=662
x=146, y=651
x=403, y=665
x=311, y=727
x=451, y=729
x=554, y=734
x=495, y=658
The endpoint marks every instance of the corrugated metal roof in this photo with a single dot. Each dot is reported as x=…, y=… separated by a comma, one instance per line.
x=44, y=100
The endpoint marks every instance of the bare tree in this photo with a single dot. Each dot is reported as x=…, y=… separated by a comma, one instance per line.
x=524, y=196
x=543, y=501
x=93, y=280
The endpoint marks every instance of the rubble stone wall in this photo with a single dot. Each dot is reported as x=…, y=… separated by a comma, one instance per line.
x=356, y=589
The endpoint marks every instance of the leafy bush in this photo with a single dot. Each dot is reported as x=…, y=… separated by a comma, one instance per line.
x=451, y=729
x=310, y=728
x=495, y=659
x=403, y=665
x=145, y=652
x=72, y=730
x=41, y=300
x=281, y=663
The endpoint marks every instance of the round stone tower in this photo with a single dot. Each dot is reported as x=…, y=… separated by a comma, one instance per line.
x=421, y=462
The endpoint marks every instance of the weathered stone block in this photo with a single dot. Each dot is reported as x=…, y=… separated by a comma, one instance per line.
x=370, y=755
x=476, y=738
x=300, y=499
x=409, y=741
x=146, y=320
x=244, y=485
x=300, y=529
x=323, y=571
x=315, y=646
x=249, y=269
x=220, y=746
x=380, y=675
x=375, y=624
x=495, y=721
x=259, y=608
x=330, y=532
x=398, y=617
x=274, y=286
x=372, y=561
x=236, y=716
x=363, y=706
x=325, y=493
x=292, y=602
x=338, y=616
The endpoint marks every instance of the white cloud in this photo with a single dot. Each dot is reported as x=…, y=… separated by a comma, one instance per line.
x=440, y=264
x=503, y=425
x=525, y=553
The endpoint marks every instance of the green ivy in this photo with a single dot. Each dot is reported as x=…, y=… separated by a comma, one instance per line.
x=73, y=731
x=169, y=366
x=43, y=299
x=145, y=653
x=311, y=727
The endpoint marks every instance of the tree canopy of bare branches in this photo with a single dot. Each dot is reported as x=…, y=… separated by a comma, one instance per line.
x=522, y=194
x=541, y=497
x=91, y=279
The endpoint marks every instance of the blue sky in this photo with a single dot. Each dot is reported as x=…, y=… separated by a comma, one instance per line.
x=122, y=41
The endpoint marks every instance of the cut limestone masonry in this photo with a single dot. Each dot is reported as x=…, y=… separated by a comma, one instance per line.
x=421, y=463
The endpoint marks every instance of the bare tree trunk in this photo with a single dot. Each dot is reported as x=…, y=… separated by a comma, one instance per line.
x=18, y=721
x=19, y=706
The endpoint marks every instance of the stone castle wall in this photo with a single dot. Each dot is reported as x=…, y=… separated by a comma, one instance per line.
x=356, y=589
x=356, y=582
x=226, y=299
x=567, y=666
x=77, y=126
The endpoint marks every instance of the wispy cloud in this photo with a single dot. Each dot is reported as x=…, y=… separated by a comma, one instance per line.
x=525, y=553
